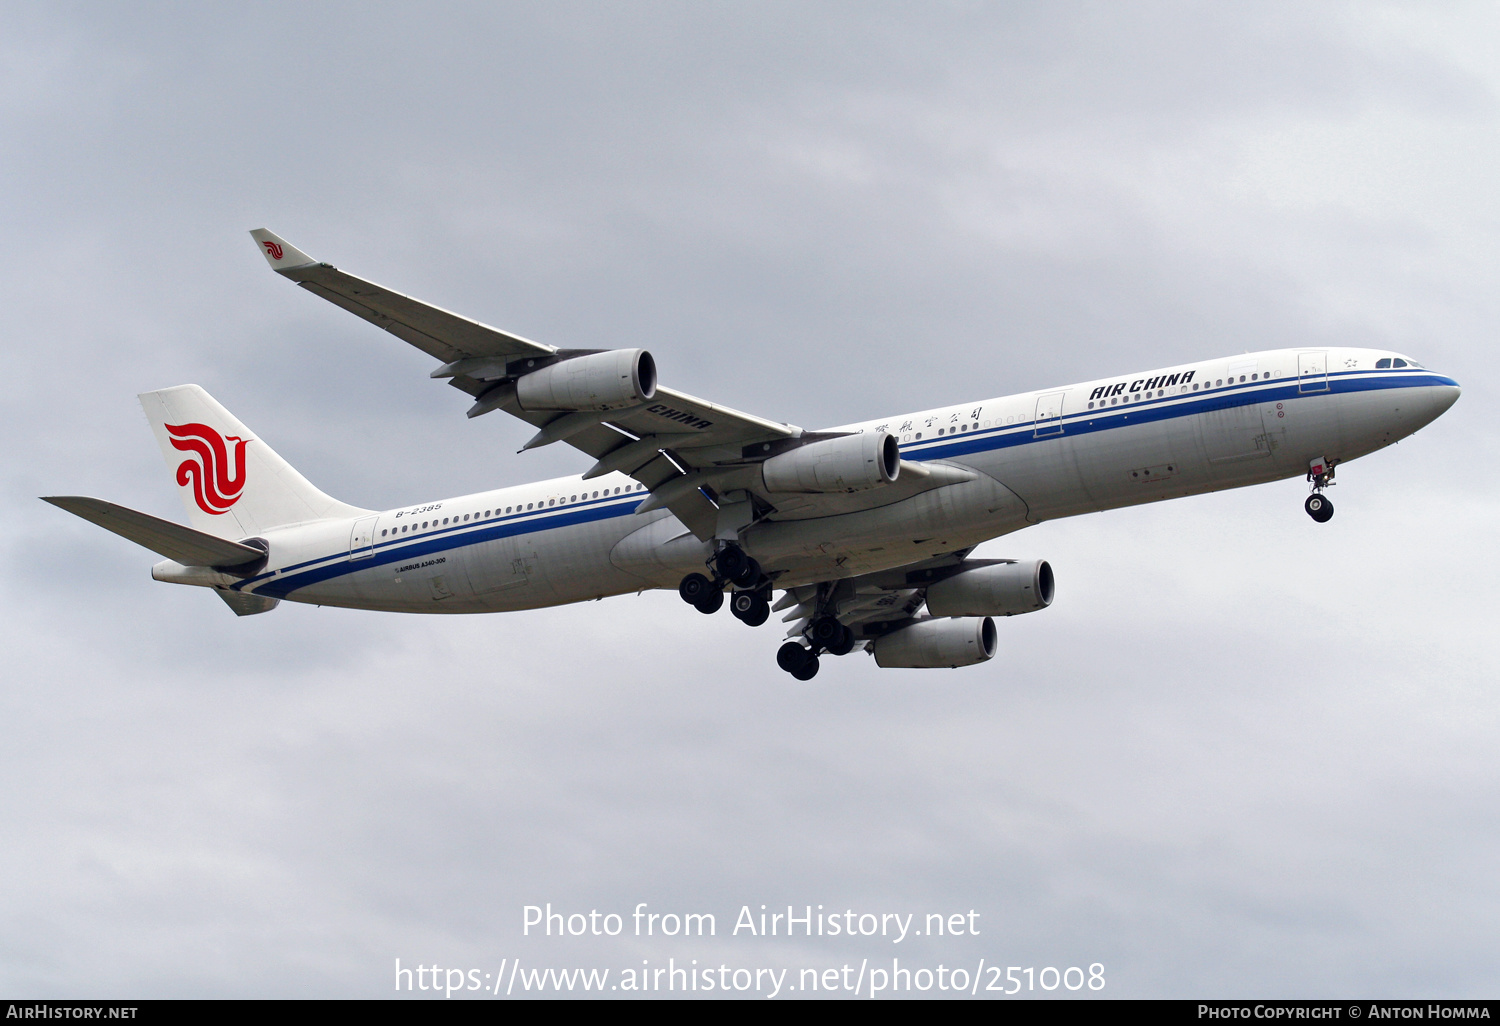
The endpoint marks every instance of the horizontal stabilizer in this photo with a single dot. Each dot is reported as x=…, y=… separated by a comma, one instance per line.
x=185, y=545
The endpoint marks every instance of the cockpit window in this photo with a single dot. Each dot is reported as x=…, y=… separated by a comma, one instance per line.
x=1384, y=364
x=1399, y=363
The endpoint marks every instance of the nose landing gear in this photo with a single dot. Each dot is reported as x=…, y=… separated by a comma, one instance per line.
x=1319, y=508
x=1320, y=473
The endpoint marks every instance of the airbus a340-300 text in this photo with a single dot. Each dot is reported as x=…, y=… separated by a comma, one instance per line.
x=865, y=529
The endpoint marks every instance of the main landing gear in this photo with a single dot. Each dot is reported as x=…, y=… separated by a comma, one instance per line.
x=824, y=634
x=751, y=600
x=1320, y=473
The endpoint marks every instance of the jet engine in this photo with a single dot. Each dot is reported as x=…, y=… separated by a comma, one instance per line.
x=928, y=644
x=850, y=463
x=611, y=380
x=1001, y=589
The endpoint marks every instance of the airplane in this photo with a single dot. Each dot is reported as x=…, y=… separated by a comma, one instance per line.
x=865, y=529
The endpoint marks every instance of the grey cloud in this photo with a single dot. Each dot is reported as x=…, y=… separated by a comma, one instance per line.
x=1240, y=754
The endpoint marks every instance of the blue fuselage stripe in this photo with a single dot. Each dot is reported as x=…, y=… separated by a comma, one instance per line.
x=281, y=583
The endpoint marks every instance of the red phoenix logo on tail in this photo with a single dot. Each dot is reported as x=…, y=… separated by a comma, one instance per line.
x=214, y=489
x=273, y=248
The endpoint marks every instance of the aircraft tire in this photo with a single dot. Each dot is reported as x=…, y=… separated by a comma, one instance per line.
x=710, y=603
x=825, y=631
x=749, y=608
x=730, y=562
x=808, y=670
x=694, y=587
x=791, y=656
x=749, y=573
x=1319, y=508
x=843, y=644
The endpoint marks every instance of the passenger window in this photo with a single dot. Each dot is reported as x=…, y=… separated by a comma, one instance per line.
x=919, y=436
x=382, y=534
x=528, y=505
x=1219, y=381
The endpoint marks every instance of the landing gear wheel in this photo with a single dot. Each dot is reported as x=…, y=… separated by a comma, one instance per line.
x=791, y=656
x=735, y=566
x=694, y=588
x=826, y=632
x=730, y=563
x=749, y=573
x=710, y=603
x=843, y=644
x=750, y=608
x=808, y=670
x=1319, y=508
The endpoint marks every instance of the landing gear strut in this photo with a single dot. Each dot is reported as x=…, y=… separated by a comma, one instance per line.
x=1320, y=473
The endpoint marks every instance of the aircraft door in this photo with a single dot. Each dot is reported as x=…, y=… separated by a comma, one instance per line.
x=362, y=538
x=1049, y=415
x=1312, y=372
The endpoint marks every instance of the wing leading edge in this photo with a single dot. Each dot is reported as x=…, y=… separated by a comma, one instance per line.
x=687, y=451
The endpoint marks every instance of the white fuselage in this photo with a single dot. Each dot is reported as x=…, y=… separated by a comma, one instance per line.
x=1036, y=456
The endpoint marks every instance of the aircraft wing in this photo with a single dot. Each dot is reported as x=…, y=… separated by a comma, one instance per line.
x=873, y=603
x=431, y=329
x=682, y=448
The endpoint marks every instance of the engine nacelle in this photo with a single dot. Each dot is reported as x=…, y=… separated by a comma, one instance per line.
x=1003, y=589
x=929, y=644
x=602, y=381
x=851, y=463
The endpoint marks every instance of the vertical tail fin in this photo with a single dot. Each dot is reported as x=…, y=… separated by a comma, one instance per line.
x=232, y=483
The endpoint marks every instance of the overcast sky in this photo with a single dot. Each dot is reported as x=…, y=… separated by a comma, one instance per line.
x=1242, y=754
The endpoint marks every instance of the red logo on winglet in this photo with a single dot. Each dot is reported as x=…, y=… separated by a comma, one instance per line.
x=273, y=248
x=214, y=489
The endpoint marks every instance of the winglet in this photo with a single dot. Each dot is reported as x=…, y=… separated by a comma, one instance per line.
x=279, y=253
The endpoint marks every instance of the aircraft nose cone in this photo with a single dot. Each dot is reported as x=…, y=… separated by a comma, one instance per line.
x=1446, y=396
